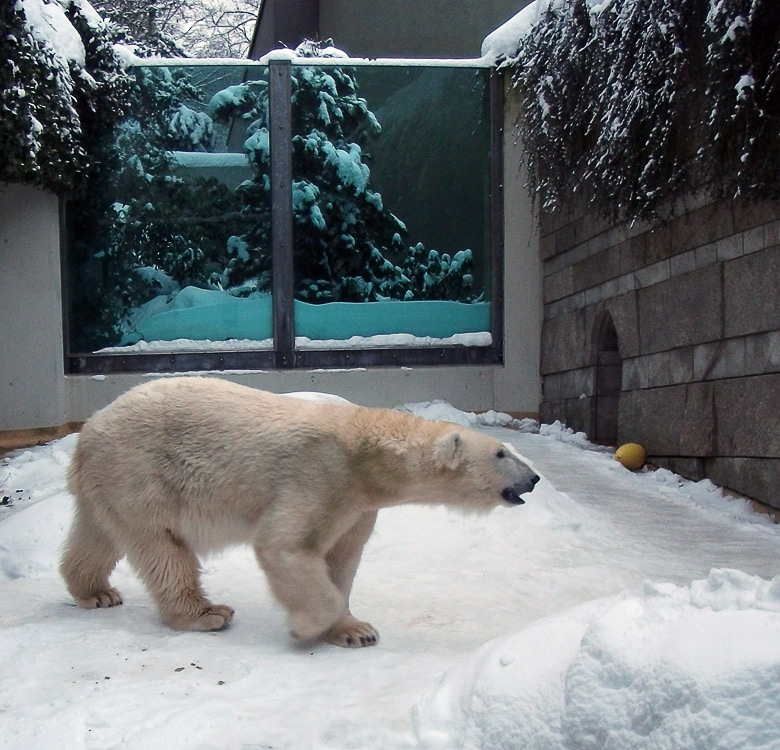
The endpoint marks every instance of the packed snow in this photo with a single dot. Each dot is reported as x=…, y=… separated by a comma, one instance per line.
x=611, y=610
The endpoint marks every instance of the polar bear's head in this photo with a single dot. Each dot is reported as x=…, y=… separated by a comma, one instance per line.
x=480, y=472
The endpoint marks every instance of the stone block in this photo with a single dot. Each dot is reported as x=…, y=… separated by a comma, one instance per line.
x=682, y=311
x=702, y=226
x=635, y=375
x=719, y=359
x=772, y=234
x=549, y=411
x=671, y=421
x=751, y=293
x=749, y=214
x=623, y=310
x=547, y=246
x=551, y=387
x=597, y=269
x=753, y=240
x=683, y=263
x=653, y=274
x=758, y=478
x=632, y=253
x=551, y=221
x=595, y=294
x=575, y=413
x=659, y=244
x=576, y=383
x=690, y=468
x=652, y=418
x=557, y=285
x=762, y=353
x=566, y=343
x=578, y=414
x=658, y=370
x=681, y=365
x=698, y=426
x=706, y=255
x=747, y=416
x=729, y=248
x=565, y=238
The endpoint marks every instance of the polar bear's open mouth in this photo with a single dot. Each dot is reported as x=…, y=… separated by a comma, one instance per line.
x=511, y=496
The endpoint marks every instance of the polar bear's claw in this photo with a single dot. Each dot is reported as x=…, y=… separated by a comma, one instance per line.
x=352, y=633
x=101, y=599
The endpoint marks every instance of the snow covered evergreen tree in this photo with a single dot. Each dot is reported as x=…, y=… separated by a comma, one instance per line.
x=348, y=245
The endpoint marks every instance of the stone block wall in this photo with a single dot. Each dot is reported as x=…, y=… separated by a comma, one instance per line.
x=695, y=303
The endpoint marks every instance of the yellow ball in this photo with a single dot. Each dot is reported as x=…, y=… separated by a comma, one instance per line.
x=631, y=455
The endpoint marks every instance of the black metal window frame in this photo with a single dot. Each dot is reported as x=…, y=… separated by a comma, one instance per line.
x=284, y=355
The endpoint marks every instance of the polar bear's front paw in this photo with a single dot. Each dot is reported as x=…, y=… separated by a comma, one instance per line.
x=351, y=633
x=101, y=599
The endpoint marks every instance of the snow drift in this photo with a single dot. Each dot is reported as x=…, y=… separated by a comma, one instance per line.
x=695, y=667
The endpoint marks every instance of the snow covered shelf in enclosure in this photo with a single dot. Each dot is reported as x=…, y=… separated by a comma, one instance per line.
x=209, y=315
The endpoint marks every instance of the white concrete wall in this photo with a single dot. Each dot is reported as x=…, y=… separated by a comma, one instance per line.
x=34, y=392
x=518, y=384
x=31, y=351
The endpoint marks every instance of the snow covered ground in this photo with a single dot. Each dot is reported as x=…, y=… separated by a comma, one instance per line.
x=612, y=610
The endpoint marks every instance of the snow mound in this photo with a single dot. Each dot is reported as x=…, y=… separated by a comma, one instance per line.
x=442, y=411
x=694, y=666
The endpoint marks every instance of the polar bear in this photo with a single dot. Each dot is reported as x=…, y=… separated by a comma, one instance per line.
x=179, y=467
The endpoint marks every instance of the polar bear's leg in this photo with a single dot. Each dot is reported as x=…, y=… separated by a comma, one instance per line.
x=171, y=572
x=344, y=557
x=343, y=560
x=90, y=556
x=299, y=580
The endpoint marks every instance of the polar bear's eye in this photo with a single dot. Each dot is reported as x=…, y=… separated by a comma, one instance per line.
x=500, y=453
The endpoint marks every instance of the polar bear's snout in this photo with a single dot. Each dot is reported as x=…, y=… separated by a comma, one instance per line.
x=512, y=494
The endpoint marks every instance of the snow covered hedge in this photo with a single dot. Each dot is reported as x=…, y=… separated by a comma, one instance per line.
x=637, y=100
x=61, y=82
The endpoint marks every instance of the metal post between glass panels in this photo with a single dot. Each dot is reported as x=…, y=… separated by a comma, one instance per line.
x=280, y=116
x=497, y=209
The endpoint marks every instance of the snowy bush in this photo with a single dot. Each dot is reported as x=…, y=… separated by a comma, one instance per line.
x=636, y=100
x=60, y=84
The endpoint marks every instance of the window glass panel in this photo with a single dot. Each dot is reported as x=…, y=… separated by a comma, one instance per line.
x=391, y=203
x=158, y=257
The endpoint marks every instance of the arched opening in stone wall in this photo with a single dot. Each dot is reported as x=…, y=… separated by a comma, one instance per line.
x=609, y=380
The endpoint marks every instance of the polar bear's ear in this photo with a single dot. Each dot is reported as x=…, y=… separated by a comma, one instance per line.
x=448, y=450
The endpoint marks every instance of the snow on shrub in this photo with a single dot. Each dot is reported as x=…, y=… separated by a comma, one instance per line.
x=638, y=100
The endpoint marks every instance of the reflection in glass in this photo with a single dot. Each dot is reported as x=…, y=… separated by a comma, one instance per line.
x=391, y=188
x=155, y=251
x=391, y=207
